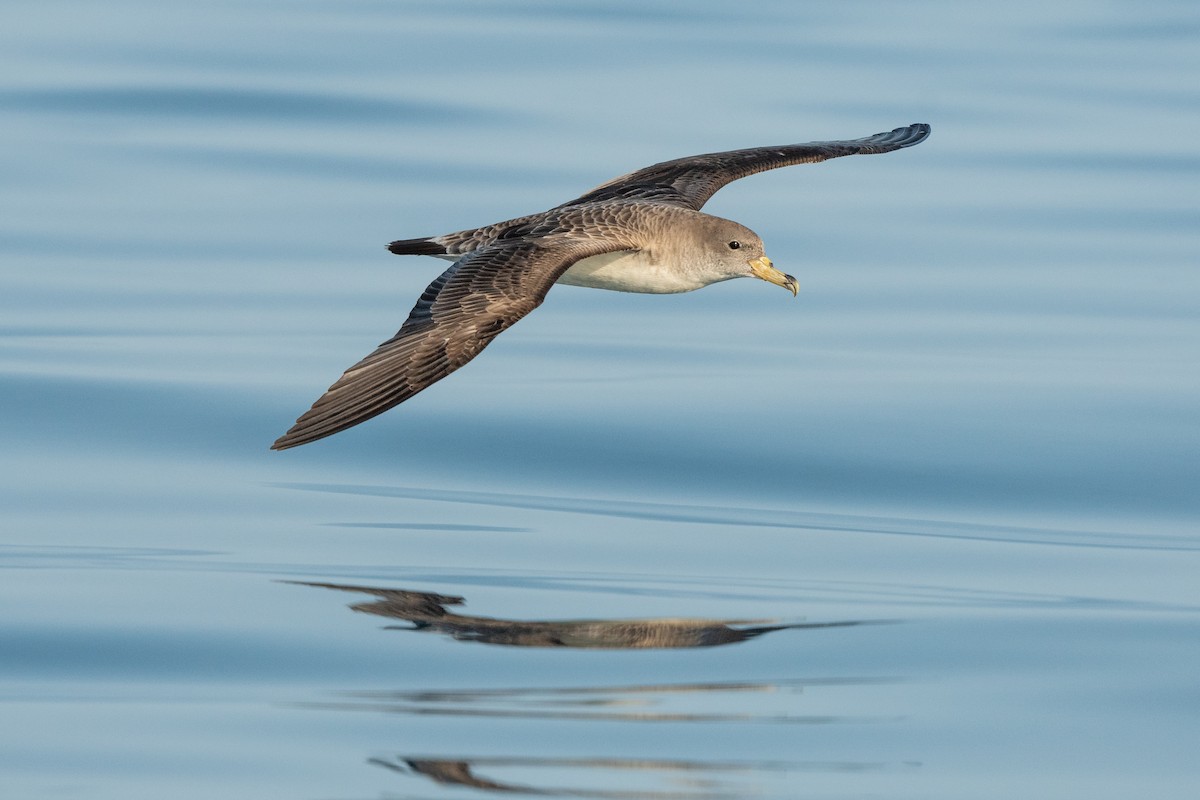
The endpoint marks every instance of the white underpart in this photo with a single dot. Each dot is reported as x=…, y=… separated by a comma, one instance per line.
x=632, y=271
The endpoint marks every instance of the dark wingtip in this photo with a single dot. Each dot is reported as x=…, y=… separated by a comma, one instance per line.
x=417, y=247
x=896, y=139
x=299, y=435
x=282, y=443
x=913, y=134
x=296, y=436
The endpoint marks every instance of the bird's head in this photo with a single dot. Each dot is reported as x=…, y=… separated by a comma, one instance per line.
x=734, y=251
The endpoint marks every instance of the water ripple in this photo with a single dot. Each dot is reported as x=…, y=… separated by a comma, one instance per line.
x=866, y=593
x=652, y=703
x=271, y=105
x=767, y=518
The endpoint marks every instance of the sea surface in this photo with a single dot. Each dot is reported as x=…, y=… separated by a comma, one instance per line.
x=929, y=530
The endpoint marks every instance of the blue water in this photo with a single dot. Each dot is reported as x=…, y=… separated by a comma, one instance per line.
x=929, y=530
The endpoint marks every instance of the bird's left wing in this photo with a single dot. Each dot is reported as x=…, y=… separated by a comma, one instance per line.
x=482, y=294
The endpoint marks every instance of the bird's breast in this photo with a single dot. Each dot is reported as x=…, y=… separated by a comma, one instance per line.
x=631, y=271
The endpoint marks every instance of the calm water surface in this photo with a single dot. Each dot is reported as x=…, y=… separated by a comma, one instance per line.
x=927, y=531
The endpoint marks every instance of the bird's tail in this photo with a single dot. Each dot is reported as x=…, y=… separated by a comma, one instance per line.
x=418, y=247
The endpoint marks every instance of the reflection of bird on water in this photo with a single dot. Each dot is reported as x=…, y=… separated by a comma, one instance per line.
x=715, y=784
x=454, y=773
x=641, y=232
x=427, y=611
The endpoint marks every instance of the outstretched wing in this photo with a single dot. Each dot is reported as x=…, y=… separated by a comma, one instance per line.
x=691, y=181
x=458, y=315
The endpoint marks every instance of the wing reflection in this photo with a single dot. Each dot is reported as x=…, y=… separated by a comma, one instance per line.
x=683, y=779
x=708, y=703
x=428, y=611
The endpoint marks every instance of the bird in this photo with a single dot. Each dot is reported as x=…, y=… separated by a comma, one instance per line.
x=641, y=232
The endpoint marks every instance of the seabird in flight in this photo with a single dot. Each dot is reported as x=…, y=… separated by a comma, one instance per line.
x=641, y=232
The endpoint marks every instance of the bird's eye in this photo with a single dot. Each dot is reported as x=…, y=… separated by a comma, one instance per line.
x=735, y=244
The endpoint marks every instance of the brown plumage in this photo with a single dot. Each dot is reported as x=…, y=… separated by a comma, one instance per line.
x=640, y=232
